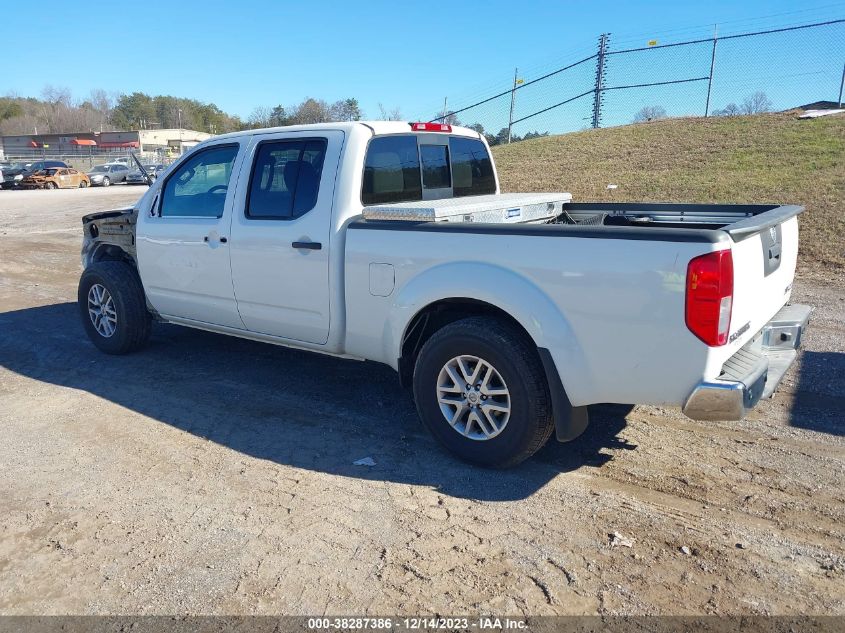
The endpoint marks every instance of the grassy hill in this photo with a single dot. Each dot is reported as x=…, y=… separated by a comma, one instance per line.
x=761, y=158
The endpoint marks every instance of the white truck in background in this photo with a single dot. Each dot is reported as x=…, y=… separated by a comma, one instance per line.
x=508, y=314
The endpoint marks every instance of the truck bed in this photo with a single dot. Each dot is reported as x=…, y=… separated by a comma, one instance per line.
x=667, y=222
x=737, y=220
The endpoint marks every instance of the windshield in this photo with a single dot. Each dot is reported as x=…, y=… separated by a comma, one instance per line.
x=99, y=168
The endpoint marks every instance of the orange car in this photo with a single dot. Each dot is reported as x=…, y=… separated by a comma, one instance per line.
x=56, y=178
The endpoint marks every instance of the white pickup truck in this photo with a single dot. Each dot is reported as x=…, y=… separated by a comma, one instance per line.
x=508, y=314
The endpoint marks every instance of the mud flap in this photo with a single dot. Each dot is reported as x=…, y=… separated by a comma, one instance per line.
x=570, y=422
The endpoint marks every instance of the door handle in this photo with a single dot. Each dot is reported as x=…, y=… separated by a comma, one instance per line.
x=222, y=240
x=311, y=246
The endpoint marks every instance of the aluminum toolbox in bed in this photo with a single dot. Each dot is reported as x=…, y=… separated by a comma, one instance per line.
x=505, y=208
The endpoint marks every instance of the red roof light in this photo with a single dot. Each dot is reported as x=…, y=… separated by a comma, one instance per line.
x=431, y=127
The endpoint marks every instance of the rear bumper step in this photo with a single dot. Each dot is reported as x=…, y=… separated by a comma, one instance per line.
x=754, y=372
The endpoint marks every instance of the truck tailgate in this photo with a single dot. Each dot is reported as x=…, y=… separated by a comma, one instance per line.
x=764, y=267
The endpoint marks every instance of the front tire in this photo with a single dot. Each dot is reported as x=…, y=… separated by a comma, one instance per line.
x=50, y=185
x=113, y=308
x=106, y=181
x=480, y=388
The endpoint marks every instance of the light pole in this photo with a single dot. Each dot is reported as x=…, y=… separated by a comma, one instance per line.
x=179, y=111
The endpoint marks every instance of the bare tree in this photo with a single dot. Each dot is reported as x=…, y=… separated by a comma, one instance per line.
x=393, y=115
x=260, y=117
x=731, y=109
x=346, y=110
x=55, y=95
x=23, y=124
x=449, y=118
x=756, y=103
x=650, y=113
x=310, y=111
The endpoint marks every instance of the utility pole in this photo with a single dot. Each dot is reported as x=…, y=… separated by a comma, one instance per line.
x=600, y=72
x=712, y=66
x=445, y=111
x=841, y=85
x=513, y=99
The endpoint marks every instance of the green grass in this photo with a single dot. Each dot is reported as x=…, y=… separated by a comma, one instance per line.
x=762, y=158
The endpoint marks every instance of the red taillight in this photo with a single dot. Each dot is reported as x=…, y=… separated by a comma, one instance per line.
x=431, y=127
x=710, y=288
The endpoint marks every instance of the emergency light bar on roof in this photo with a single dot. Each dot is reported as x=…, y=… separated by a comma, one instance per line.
x=431, y=127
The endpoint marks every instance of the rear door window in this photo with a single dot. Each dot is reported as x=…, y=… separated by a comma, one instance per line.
x=285, y=179
x=472, y=169
x=392, y=170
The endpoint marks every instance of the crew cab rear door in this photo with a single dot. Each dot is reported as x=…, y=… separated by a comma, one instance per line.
x=281, y=233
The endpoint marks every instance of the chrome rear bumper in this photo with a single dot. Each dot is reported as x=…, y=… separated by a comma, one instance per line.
x=754, y=372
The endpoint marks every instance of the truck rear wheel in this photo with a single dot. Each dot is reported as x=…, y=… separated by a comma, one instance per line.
x=113, y=309
x=481, y=390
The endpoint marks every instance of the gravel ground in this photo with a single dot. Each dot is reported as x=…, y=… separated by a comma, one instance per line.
x=211, y=475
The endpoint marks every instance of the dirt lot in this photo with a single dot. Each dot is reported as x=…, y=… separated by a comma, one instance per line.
x=214, y=475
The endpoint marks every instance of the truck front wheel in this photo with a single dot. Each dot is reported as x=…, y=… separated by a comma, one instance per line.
x=480, y=388
x=113, y=309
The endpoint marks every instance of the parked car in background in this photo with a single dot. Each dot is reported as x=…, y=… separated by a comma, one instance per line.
x=137, y=177
x=108, y=174
x=13, y=177
x=56, y=178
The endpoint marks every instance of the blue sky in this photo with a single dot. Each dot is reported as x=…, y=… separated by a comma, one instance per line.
x=406, y=54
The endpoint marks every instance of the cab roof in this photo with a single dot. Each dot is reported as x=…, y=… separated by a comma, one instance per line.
x=377, y=127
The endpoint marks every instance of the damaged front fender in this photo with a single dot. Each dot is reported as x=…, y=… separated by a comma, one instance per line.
x=109, y=235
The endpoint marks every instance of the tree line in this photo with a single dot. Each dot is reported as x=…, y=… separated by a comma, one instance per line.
x=500, y=138
x=57, y=111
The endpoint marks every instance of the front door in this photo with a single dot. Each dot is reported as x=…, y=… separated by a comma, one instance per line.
x=62, y=178
x=183, y=242
x=281, y=232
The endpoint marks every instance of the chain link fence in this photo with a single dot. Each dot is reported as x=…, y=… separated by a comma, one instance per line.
x=85, y=158
x=775, y=69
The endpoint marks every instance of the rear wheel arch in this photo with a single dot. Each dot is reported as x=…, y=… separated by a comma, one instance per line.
x=438, y=314
x=570, y=421
x=479, y=387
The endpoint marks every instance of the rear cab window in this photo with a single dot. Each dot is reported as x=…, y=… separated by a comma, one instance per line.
x=407, y=168
x=392, y=170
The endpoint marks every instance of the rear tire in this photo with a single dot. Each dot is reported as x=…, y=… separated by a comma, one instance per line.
x=113, y=307
x=517, y=383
